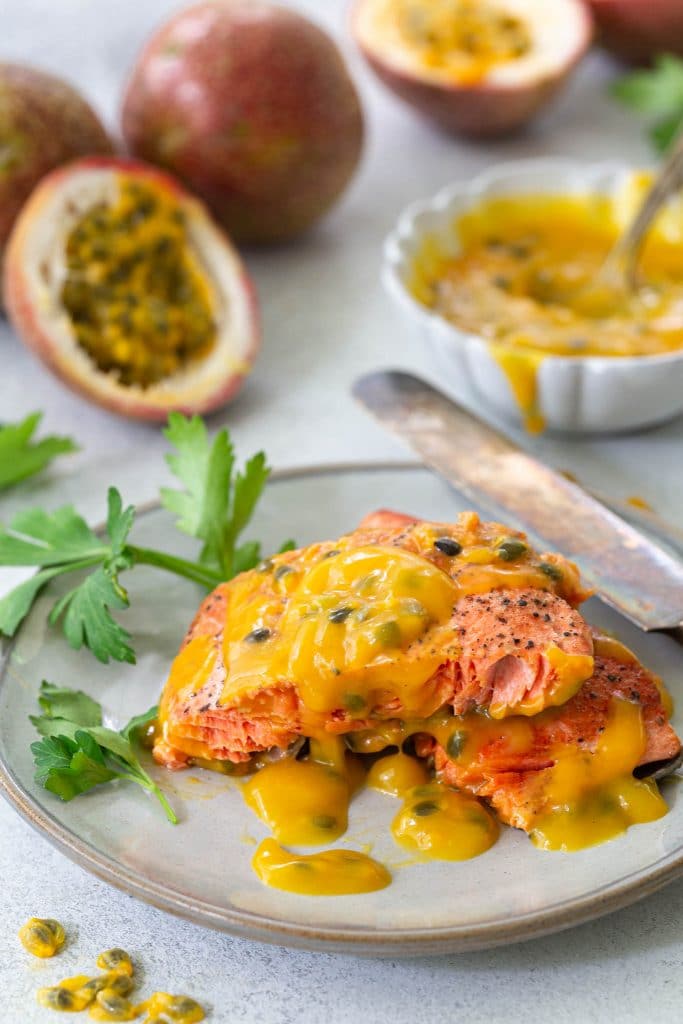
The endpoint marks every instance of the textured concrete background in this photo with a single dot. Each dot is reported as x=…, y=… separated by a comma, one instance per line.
x=325, y=321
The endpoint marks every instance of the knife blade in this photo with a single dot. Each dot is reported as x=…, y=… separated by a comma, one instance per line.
x=628, y=570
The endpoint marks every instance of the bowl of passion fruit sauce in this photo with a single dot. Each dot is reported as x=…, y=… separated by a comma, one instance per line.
x=498, y=277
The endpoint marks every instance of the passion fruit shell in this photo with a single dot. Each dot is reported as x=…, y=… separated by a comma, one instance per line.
x=487, y=96
x=44, y=122
x=639, y=30
x=252, y=107
x=36, y=270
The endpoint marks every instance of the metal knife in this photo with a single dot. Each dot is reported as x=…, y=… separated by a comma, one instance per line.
x=629, y=571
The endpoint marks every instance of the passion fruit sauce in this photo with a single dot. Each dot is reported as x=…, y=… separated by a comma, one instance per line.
x=139, y=301
x=524, y=279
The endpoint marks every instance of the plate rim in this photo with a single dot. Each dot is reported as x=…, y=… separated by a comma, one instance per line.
x=364, y=941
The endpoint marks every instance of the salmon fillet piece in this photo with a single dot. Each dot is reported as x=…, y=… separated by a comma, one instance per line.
x=512, y=778
x=518, y=648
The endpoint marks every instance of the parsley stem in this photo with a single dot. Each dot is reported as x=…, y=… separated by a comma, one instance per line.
x=190, y=570
x=142, y=778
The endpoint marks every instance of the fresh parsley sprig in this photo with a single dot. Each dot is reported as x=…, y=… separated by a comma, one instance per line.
x=77, y=752
x=656, y=92
x=215, y=507
x=21, y=456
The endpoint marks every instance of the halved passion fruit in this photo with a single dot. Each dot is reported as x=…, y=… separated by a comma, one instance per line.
x=123, y=285
x=477, y=67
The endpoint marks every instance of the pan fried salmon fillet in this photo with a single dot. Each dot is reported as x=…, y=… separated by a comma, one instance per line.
x=511, y=763
x=400, y=617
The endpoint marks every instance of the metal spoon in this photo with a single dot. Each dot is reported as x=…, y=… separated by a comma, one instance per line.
x=620, y=269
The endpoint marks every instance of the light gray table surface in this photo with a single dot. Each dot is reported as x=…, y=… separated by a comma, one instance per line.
x=326, y=319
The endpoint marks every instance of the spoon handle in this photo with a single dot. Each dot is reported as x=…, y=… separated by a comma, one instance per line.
x=623, y=259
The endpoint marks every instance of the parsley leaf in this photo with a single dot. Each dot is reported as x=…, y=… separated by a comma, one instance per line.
x=657, y=92
x=36, y=537
x=21, y=456
x=216, y=504
x=58, y=702
x=77, y=753
x=86, y=609
x=215, y=507
x=67, y=767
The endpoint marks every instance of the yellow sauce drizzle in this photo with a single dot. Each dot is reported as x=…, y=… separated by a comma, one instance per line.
x=521, y=370
x=329, y=873
x=396, y=773
x=442, y=824
x=301, y=802
x=594, y=797
x=43, y=937
x=344, y=624
x=636, y=501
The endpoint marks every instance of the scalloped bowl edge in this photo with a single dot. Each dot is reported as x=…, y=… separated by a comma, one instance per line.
x=577, y=394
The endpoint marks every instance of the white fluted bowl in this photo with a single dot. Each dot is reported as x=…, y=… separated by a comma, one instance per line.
x=575, y=393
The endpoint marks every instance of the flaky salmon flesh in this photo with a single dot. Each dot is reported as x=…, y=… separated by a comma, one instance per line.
x=291, y=650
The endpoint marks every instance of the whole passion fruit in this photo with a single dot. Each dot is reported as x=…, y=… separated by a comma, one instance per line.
x=476, y=67
x=44, y=122
x=252, y=107
x=638, y=30
x=124, y=286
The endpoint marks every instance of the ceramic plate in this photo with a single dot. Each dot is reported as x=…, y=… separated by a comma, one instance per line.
x=201, y=868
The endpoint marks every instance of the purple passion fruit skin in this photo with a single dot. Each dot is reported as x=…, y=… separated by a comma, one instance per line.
x=272, y=160
x=44, y=123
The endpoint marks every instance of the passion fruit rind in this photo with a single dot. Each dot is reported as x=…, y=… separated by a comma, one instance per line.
x=87, y=273
x=271, y=161
x=639, y=30
x=44, y=122
x=510, y=88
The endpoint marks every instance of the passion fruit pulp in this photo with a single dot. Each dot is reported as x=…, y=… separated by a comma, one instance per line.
x=122, y=284
x=134, y=290
x=252, y=107
x=476, y=67
x=44, y=122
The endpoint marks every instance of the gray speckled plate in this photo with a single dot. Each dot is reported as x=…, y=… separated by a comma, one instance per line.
x=201, y=868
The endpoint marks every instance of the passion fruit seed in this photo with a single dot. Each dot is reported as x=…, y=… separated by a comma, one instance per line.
x=456, y=741
x=324, y=821
x=110, y=1006
x=551, y=570
x=181, y=1009
x=117, y=961
x=184, y=1010
x=257, y=636
x=121, y=984
x=340, y=614
x=137, y=298
x=354, y=702
x=42, y=937
x=511, y=550
x=58, y=998
x=425, y=807
x=448, y=546
x=388, y=634
x=90, y=989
